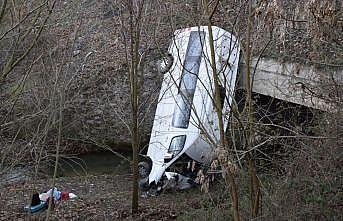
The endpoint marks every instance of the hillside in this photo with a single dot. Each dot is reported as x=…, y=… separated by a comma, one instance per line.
x=65, y=91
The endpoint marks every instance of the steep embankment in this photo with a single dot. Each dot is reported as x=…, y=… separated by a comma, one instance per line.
x=82, y=53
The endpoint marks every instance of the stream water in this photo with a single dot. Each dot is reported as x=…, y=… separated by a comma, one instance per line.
x=94, y=164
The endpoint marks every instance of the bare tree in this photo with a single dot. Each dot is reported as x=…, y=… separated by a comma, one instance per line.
x=136, y=34
x=224, y=158
x=22, y=26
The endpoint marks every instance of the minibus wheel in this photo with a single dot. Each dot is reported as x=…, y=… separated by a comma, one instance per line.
x=164, y=64
x=143, y=169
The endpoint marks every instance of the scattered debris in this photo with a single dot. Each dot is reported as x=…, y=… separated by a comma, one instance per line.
x=177, y=181
x=170, y=181
x=40, y=202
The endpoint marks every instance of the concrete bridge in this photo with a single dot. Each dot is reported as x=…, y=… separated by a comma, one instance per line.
x=292, y=82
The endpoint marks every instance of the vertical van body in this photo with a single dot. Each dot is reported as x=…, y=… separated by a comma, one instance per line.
x=185, y=120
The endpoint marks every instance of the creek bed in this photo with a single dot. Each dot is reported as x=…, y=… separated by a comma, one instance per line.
x=94, y=163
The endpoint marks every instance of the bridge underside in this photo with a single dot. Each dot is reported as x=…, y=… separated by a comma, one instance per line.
x=292, y=82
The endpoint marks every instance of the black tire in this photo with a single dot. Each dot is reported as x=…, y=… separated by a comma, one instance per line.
x=144, y=169
x=165, y=63
x=144, y=184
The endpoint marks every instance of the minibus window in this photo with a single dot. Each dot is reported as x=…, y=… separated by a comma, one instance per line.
x=177, y=144
x=222, y=96
x=190, y=71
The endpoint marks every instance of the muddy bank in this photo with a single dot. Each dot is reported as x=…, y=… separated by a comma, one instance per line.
x=103, y=197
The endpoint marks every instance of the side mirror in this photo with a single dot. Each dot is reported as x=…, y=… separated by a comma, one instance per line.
x=164, y=64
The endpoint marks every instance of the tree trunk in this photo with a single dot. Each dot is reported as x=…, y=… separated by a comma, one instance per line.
x=134, y=43
x=248, y=110
x=229, y=177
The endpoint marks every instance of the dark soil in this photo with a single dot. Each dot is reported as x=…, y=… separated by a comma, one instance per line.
x=102, y=197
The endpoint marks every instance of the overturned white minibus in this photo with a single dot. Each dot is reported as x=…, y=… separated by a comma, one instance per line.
x=185, y=120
